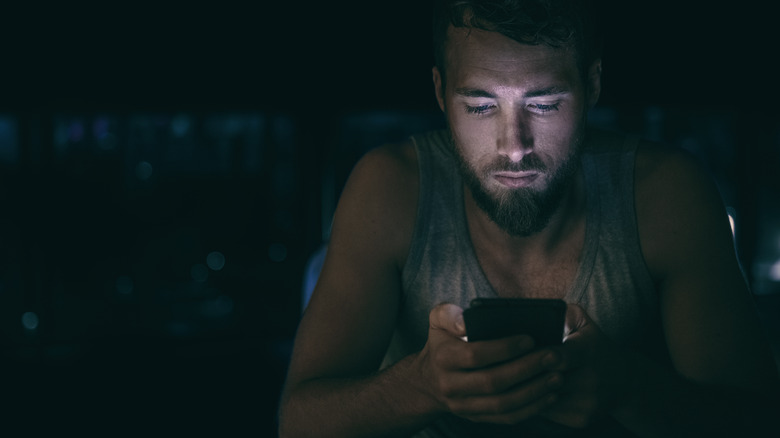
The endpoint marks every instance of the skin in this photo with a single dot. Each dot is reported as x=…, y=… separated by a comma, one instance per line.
x=516, y=114
x=722, y=367
x=516, y=124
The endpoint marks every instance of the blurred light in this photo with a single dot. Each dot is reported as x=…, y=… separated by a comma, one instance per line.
x=179, y=329
x=277, y=252
x=107, y=142
x=215, y=260
x=100, y=128
x=774, y=271
x=30, y=320
x=284, y=130
x=61, y=135
x=233, y=125
x=180, y=125
x=217, y=308
x=732, y=212
x=731, y=221
x=124, y=285
x=654, y=119
x=603, y=117
x=9, y=144
x=143, y=170
x=199, y=273
x=76, y=132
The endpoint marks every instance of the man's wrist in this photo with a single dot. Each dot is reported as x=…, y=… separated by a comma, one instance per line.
x=420, y=382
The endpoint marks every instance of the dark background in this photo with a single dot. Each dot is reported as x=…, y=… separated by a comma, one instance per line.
x=139, y=140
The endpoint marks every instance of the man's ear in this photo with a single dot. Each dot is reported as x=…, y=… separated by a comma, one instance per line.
x=594, y=82
x=437, y=85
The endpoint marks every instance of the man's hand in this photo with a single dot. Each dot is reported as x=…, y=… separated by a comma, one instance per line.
x=498, y=381
x=596, y=374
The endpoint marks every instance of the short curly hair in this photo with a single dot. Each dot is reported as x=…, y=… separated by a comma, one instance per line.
x=555, y=23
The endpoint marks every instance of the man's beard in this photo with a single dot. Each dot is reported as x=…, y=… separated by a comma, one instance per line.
x=521, y=211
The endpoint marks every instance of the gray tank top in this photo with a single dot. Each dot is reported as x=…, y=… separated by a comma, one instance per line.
x=612, y=283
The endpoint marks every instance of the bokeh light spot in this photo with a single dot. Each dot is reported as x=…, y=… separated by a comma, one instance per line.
x=199, y=273
x=774, y=271
x=215, y=260
x=180, y=125
x=144, y=170
x=219, y=307
x=277, y=252
x=30, y=320
x=124, y=285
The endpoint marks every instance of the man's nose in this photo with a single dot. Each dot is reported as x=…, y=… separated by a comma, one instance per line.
x=515, y=139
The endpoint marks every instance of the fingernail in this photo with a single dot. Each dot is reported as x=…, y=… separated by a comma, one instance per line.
x=460, y=325
x=550, y=359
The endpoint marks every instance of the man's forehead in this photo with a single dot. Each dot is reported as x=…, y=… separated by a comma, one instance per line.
x=466, y=43
x=467, y=36
x=475, y=52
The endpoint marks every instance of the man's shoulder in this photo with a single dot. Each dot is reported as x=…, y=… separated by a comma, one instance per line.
x=678, y=205
x=662, y=165
x=391, y=162
x=672, y=180
x=379, y=200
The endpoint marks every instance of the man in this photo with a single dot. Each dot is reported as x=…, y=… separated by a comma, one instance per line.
x=519, y=199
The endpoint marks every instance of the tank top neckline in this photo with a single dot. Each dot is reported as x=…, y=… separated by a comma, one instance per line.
x=587, y=254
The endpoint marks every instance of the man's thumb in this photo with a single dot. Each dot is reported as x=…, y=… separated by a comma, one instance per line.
x=448, y=317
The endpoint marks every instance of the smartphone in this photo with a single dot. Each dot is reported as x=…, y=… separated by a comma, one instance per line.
x=492, y=318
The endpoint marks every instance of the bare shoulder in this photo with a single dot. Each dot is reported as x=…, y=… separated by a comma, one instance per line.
x=396, y=161
x=680, y=212
x=381, y=195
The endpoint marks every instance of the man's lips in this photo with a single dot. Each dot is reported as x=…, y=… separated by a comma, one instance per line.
x=516, y=179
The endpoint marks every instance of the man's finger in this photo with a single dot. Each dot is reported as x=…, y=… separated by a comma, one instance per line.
x=448, y=317
x=576, y=319
x=574, y=351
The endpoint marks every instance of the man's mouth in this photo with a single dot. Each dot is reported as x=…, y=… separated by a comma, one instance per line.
x=516, y=180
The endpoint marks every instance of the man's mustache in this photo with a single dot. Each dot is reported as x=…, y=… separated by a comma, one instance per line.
x=530, y=162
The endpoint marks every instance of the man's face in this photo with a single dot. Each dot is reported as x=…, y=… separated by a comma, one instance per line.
x=517, y=114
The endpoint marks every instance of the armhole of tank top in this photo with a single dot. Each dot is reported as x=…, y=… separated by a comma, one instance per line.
x=411, y=266
x=636, y=257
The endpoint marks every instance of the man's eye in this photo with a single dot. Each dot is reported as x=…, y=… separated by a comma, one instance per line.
x=482, y=109
x=541, y=108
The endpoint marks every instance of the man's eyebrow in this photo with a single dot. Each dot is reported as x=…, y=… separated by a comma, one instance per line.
x=549, y=91
x=476, y=92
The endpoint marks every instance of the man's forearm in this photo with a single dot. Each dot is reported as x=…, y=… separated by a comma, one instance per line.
x=387, y=403
x=664, y=404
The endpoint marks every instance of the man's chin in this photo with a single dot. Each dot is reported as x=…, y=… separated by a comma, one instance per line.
x=512, y=195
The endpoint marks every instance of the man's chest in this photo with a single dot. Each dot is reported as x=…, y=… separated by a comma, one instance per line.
x=534, y=274
x=549, y=280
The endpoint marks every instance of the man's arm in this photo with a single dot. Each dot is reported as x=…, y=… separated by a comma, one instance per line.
x=332, y=383
x=724, y=379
